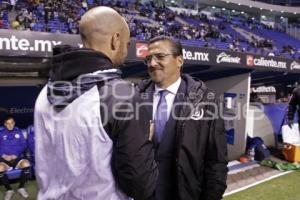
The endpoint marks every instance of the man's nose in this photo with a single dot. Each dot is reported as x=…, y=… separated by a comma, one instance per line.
x=153, y=62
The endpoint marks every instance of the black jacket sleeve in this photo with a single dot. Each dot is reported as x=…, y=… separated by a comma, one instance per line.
x=133, y=154
x=215, y=168
x=293, y=104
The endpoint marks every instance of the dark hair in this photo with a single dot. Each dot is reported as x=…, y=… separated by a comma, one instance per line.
x=8, y=118
x=175, y=44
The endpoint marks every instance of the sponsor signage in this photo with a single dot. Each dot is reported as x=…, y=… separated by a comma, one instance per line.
x=33, y=44
x=213, y=57
x=224, y=57
x=264, y=89
x=37, y=44
x=141, y=50
x=250, y=61
x=265, y=62
x=201, y=56
x=295, y=65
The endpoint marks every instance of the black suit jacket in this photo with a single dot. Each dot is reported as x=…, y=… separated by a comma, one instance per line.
x=165, y=151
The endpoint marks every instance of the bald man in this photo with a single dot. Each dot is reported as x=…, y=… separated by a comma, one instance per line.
x=89, y=143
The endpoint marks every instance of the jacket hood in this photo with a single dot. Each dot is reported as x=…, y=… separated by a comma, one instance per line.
x=74, y=71
x=69, y=62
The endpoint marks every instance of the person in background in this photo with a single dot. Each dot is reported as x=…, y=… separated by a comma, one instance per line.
x=12, y=148
x=294, y=106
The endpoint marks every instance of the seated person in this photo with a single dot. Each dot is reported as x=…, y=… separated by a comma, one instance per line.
x=12, y=146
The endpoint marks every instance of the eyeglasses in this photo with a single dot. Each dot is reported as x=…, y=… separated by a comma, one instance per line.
x=157, y=57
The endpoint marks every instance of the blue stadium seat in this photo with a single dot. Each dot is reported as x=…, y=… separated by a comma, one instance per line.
x=90, y=2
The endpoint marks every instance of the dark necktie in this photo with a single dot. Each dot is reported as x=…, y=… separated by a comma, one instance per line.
x=161, y=115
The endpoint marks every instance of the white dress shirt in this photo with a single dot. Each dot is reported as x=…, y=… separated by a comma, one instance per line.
x=170, y=97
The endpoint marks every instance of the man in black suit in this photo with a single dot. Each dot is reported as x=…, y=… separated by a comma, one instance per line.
x=294, y=106
x=191, y=149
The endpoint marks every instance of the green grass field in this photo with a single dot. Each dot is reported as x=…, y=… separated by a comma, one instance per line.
x=285, y=187
x=30, y=186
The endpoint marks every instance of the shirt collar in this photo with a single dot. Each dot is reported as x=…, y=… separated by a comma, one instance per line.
x=172, y=88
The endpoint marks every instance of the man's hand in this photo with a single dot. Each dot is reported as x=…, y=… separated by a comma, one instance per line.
x=13, y=157
x=290, y=123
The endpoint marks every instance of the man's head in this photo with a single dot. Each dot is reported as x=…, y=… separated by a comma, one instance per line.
x=105, y=30
x=9, y=123
x=164, y=61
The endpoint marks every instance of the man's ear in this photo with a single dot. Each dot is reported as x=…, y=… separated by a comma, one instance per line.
x=180, y=61
x=115, y=41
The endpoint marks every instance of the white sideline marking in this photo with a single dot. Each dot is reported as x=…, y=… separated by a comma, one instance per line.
x=242, y=169
x=256, y=183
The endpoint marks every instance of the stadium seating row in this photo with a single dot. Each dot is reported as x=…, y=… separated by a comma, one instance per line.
x=148, y=20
